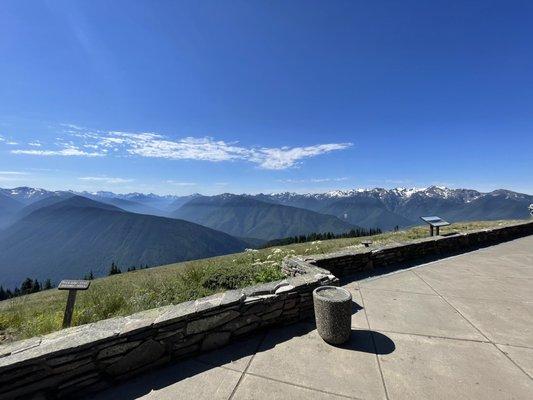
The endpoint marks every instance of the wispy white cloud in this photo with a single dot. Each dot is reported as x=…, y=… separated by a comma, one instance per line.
x=171, y=182
x=105, y=179
x=68, y=150
x=9, y=141
x=208, y=149
x=285, y=157
x=153, y=145
x=13, y=173
x=12, y=176
x=35, y=143
x=314, y=180
x=74, y=127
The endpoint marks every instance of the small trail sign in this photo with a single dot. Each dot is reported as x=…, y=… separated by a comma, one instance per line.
x=69, y=284
x=72, y=286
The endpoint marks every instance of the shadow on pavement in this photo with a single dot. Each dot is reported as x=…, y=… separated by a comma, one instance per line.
x=234, y=357
x=359, y=341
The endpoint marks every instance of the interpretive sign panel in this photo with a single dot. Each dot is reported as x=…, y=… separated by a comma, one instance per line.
x=434, y=222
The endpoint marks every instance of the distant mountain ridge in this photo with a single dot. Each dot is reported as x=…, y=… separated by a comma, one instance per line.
x=368, y=208
x=70, y=237
x=404, y=207
x=246, y=216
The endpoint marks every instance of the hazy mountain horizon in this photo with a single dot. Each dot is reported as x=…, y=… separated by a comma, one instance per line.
x=29, y=192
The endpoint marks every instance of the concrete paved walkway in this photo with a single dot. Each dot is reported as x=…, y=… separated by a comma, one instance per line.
x=458, y=328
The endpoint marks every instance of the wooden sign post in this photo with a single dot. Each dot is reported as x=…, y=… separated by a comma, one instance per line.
x=72, y=286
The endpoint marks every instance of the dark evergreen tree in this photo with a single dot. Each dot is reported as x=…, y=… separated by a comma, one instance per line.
x=323, y=236
x=36, y=286
x=89, y=276
x=26, y=286
x=47, y=284
x=114, y=269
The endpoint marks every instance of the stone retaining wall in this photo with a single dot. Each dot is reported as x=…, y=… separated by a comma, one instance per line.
x=91, y=357
x=344, y=264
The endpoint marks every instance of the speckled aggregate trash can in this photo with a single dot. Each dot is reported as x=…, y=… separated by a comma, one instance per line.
x=333, y=313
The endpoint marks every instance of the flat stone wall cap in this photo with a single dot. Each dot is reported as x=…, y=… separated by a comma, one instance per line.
x=262, y=288
x=281, y=284
x=209, y=302
x=332, y=294
x=232, y=297
x=66, y=340
x=17, y=347
x=298, y=282
x=284, y=288
x=139, y=321
x=174, y=312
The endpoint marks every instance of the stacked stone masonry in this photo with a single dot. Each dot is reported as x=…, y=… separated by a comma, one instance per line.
x=91, y=357
x=344, y=264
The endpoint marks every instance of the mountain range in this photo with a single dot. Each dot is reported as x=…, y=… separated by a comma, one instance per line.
x=387, y=208
x=75, y=235
x=59, y=234
x=246, y=216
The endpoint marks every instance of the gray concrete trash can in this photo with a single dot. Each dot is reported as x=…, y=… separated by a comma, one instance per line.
x=333, y=313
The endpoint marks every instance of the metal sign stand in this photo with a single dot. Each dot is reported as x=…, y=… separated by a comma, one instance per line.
x=434, y=224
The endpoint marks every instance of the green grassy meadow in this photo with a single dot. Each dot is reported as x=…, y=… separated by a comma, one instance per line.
x=130, y=292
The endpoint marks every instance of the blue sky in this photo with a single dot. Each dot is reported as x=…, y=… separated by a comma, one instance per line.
x=250, y=96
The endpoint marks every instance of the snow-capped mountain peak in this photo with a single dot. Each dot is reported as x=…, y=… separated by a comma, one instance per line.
x=26, y=194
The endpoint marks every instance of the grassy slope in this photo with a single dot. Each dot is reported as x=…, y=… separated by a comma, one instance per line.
x=127, y=293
